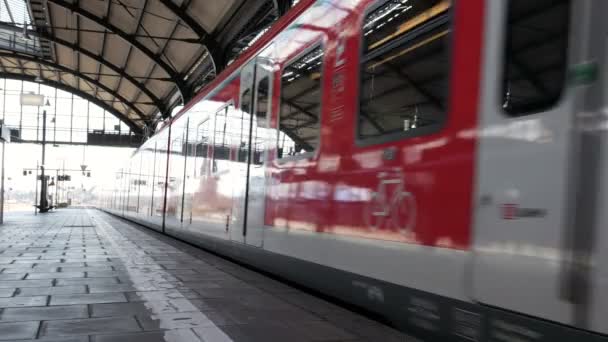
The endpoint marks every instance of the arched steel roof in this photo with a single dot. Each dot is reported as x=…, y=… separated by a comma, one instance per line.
x=136, y=58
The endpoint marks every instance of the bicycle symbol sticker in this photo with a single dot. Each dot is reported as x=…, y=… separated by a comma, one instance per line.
x=391, y=206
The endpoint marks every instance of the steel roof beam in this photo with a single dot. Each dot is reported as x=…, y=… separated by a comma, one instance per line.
x=73, y=90
x=185, y=97
x=99, y=59
x=156, y=57
x=128, y=56
x=103, y=41
x=77, y=74
x=206, y=38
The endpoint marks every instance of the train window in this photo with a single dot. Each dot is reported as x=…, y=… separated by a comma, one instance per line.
x=301, y=104
x=404, y=71
x=535, y=55
x=263, y=101
x=243, y=147
x=201, y=147
x=260, y=123
x=221, y=145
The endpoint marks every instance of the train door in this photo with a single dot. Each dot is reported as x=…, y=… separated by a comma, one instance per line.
x=238, y=228
x=585, y=270
x=260, y=138
x=523, y=169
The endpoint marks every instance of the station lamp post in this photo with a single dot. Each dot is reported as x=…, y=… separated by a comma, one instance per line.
x=38, y=100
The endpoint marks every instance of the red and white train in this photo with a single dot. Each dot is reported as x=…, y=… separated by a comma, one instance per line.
x=436, y=162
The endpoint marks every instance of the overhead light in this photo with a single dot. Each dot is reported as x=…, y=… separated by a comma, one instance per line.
x=48, y=103
x=38, y=79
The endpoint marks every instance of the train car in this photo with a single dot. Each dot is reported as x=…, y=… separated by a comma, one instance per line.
x=435, y=162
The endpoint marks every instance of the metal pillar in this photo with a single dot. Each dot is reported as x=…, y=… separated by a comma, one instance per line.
x=44, y=202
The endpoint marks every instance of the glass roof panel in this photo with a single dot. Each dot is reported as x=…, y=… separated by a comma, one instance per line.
x=14, y=20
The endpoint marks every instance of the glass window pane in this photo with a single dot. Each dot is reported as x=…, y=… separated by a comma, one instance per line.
x=536, y=55
x=405, y=70
x=301, y=104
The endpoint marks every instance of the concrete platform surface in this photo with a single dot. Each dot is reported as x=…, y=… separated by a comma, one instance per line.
x=82, y=275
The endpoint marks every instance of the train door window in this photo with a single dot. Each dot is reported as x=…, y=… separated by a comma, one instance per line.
x=260, y=123
x=246, y=103
x=299, y=119
x=201, y=147
x=404, y=71
x=222, y=139
x=535, y=55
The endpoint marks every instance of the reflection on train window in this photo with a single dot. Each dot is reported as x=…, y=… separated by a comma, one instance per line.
x=201, y=147
x=301, y=104
x=261, y=114
x=263, y=103
x=405, y=69
x=536, y=55
x=222, y=139
x=245, y=125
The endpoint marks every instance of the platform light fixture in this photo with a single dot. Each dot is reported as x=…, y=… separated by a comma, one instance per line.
x=31, y=99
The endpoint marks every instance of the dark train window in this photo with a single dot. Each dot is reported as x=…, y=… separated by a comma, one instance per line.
x=261, y=115
x=300, y=111
x=535, y=55
x=263, y=101
x=245, y=122
x=246, y=101
x=221, y=148
x=405, y=69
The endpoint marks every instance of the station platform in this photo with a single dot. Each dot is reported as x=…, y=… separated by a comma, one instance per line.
x=82, y=275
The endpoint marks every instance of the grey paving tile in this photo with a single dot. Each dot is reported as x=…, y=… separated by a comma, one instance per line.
x=106, y=274
x=180, y=320
x=12, y=276
x=44, y=313
x=93, y=298
x=25, y=283
x=13, y=302
x=119, y=309
x=153, y=295
x=86, y=269
x=142, y=308
x=6, y=292
x=177, y=335
x=27, y=262
x=120, y=288
x=60, y=264
x=18, y=330
x=60, y=339
x=55, y=275
x=89, y=326
x=86, y=281
x=42, y=269
x=55, y=290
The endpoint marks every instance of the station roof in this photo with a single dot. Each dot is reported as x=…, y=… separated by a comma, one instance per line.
x=138, y=59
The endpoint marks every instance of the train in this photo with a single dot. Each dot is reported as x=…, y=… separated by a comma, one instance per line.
x=437, y=163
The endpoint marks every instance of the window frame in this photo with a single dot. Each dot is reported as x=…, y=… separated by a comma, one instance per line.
x=504, y=60
x=317, y=43
x=364, y=57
